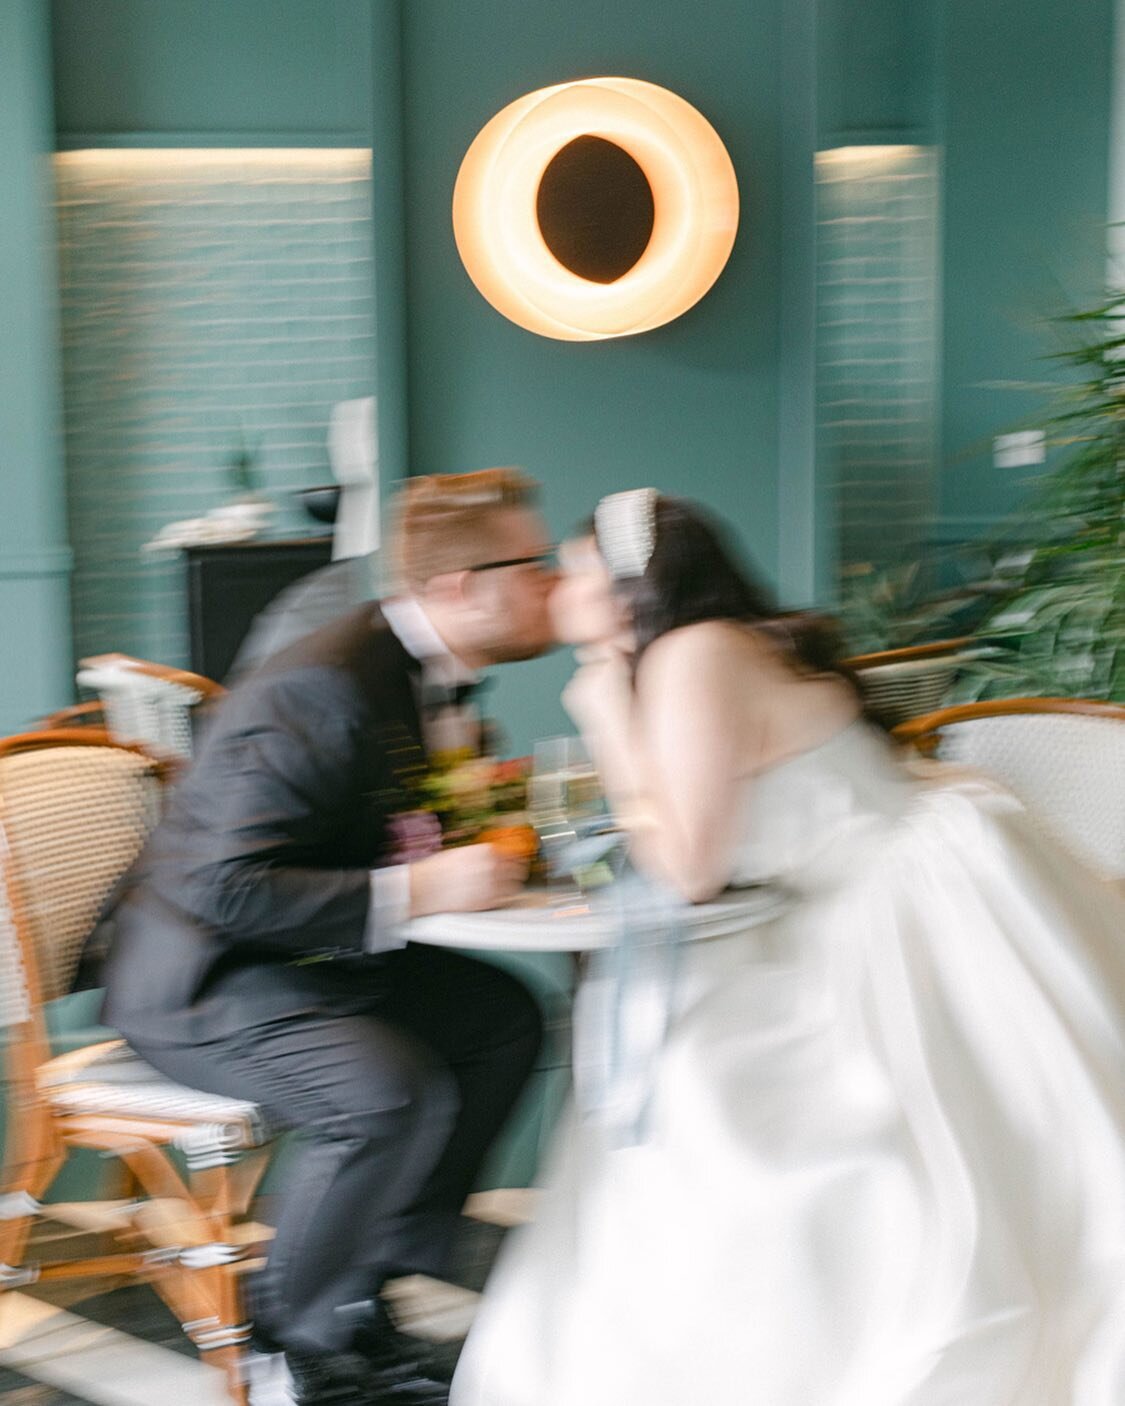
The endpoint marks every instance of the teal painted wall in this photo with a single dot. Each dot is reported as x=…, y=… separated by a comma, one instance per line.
x=389, y=233
x=804, y=545
x=875, y=69
x=720, y=403
x=692, y=407
x=1016, y=99
x=34, y=556
x=220, y=67
x=1025, y=122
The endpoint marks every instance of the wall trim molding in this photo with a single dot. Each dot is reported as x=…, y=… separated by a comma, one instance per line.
x=45, y=561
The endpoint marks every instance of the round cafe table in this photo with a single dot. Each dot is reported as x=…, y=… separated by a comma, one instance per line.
x=541, y=928
x=539, y=921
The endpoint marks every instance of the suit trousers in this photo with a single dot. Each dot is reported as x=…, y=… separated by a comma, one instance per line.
x=396, y=1101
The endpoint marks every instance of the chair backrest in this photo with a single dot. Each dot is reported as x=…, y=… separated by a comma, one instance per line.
x=75, y=809
x=1064, y=758
x=900, y=684
x=146, y=702
x=76, y=715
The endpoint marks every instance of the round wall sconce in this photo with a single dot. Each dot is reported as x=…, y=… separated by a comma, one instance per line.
x=599, y=208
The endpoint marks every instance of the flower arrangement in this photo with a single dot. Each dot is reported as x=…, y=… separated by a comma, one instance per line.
x=460, y=798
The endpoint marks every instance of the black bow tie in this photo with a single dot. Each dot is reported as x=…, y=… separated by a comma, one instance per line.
x=438, y=695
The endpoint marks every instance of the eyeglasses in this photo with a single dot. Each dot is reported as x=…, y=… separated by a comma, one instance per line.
x=543, y=561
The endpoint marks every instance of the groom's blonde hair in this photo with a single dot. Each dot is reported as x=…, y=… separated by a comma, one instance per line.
x=447, y=522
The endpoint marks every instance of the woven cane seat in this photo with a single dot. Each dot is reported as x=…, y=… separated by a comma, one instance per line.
x=110, y=1081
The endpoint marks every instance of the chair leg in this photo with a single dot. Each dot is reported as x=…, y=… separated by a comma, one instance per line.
x=195, y=1259
x=232, y=1358
x=245, y=1178
x=221, y=1332
x=123, y=1184
x=14, y=1274
x=19, y=1208
x=232, y=1362
x=201, y=1284
x=216, y=1189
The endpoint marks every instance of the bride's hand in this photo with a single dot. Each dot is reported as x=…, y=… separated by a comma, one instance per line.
x=599, y=694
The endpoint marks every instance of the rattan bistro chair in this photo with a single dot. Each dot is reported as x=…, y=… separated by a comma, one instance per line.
x=899, y=684
x=76, y=715
x=75, y=807
x=146, y=702
x=1063, y=757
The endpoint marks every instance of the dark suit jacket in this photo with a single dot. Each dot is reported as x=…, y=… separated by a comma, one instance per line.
x=251, y=899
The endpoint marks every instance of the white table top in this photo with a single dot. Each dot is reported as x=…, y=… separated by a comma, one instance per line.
x=540, y=922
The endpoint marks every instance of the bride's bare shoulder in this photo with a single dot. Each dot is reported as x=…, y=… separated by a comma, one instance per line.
x=705, y=649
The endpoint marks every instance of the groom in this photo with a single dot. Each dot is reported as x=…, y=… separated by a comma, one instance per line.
x=259, y=953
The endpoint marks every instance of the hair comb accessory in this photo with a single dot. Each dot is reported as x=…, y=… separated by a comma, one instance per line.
x=625, y=527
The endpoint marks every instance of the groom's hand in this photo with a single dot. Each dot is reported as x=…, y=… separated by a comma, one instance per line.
x=464, y=880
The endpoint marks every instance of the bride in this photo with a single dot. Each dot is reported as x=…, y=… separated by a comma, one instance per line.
x=884, y=1162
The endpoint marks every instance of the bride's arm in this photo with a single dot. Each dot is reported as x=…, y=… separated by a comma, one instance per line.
x=600, y=699
x=673, y=754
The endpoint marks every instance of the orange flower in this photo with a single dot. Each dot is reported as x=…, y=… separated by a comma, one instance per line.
x=514, y=770
x=516, y=841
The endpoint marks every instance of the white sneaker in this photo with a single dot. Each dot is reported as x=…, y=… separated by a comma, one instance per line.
x=270, y=1380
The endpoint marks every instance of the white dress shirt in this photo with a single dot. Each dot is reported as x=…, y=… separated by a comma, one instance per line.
x=447, y=729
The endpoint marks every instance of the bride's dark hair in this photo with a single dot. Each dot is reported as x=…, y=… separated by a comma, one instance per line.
x=694, y=574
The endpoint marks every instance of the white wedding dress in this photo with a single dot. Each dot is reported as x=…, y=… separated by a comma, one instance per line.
x=885, y=1164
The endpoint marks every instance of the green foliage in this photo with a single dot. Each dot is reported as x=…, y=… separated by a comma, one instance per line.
x=241, y=469
x=1060, y=628
x=891, y=608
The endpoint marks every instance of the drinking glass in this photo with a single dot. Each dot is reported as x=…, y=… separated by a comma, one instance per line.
x=563, y=791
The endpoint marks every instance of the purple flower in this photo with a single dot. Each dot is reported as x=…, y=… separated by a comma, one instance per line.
x=413, y=835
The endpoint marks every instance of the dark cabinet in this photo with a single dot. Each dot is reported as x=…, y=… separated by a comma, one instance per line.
x=229, y=583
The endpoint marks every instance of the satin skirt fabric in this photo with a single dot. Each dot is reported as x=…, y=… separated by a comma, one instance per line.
x=885, y=1160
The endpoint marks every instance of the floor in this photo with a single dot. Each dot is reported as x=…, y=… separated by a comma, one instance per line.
x=70, y=1344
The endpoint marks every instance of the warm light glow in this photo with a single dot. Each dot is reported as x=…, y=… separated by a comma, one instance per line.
x=856, y=155
x=163, y=161
x=695, y=199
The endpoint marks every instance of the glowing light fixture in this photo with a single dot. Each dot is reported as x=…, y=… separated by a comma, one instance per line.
x=599, y=208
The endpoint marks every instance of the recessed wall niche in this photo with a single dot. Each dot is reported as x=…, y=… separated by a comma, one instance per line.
x=878, y=212
x=207, y=297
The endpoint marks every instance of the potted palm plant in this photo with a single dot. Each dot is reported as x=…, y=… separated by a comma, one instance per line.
x=907, y=641
x=1059, y=629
